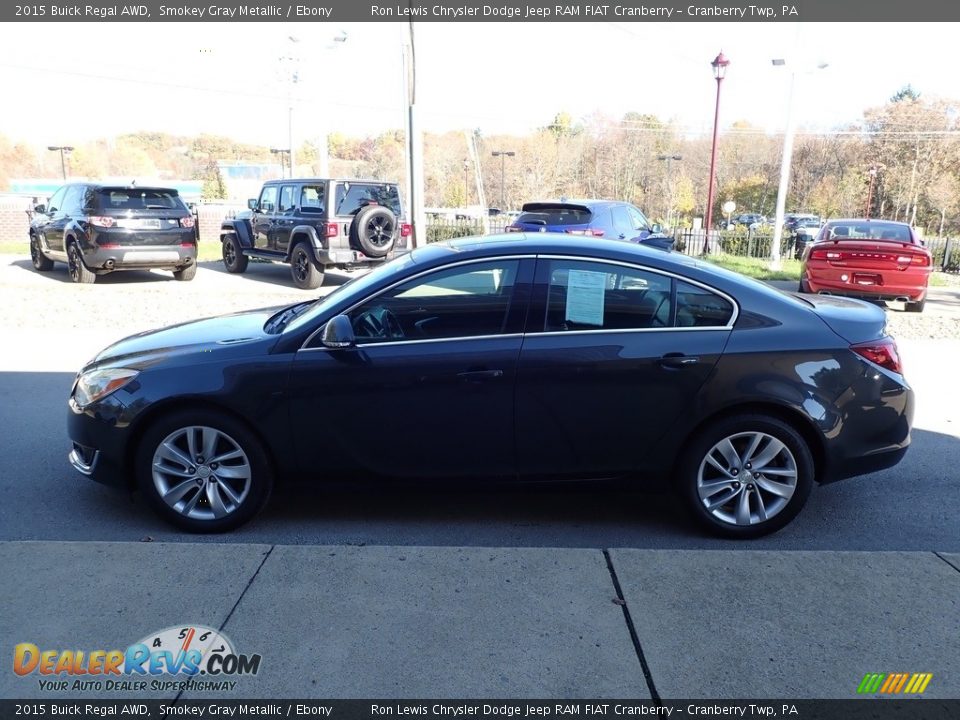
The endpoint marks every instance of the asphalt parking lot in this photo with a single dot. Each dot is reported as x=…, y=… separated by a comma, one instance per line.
x=53, y=327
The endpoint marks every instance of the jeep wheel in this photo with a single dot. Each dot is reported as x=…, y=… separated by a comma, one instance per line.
x=306, y=274
x=374, y=230
x=187, y=273
x=41, y=262
x=233, y=258
x=79, y=272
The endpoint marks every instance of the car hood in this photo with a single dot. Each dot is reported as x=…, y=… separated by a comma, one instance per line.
x=239, y=333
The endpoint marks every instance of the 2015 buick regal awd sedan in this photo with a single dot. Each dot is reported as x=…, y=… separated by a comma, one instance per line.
x=505, y=358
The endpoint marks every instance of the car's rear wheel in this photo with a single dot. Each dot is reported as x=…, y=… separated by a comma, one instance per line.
x=916, y=307
x=233, y=258
x=79, y=272
x=803, y=287
x=41, y=262
x=186, y=274
x=203, y=471
x=305, y=272
x=746, y=476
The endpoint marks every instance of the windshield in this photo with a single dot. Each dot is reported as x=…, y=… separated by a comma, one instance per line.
x=353, y=288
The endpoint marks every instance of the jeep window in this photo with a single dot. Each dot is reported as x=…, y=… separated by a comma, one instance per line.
x=139, y=199
x=312, y=199
x=286, y=198
x=352, y=197
x=268, y=199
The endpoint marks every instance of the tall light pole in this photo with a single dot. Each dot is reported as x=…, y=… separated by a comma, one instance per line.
x=669, y=203
x=719, y=66
x=873, y=177
x=466, y=182
x=785, y=162
x=503, y=155
x=281, y=152
x=64, y=150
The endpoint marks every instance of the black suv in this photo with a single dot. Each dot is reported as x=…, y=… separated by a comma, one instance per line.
x=314, y=224
x=96, y=229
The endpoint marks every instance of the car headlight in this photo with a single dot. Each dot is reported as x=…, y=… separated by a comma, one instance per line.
x=97, y=384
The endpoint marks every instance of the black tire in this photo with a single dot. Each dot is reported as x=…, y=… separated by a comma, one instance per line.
x=233, y=258
x=803, y=288
x=306, y=274
x=79, y=272
x=729, y=487
x=41, y=263
x=916, y=307
x=200, y=517
x=188, y=273
x=374, y=230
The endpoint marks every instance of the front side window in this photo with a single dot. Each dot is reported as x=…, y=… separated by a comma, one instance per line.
x=56, y=202
x=586, y=295
x=640, y=221
x=466, y=301
x=268, y=199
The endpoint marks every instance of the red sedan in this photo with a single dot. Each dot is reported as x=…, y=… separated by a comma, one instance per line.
x=871, y=259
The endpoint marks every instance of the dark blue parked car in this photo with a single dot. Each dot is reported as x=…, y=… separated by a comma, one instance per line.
x=609, y=219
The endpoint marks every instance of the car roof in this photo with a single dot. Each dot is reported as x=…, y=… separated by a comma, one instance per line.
x=364, y=181
x=578, y=201
x=834, y=221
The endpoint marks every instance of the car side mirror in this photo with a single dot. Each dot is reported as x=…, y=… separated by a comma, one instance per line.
x=40, y=209
x=252, y=204
x=339, y=333
x=656, y=228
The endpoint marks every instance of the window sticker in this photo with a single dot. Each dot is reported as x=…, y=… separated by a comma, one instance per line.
x=585, y=295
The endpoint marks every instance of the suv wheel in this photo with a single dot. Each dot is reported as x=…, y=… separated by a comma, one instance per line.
x=203, y=470
x=233, y=259
x=41, y=262
x=187, y=273
x=79, y=272
x=916, y=307
x=374, y=230
x=746, y=476
x=306, y=274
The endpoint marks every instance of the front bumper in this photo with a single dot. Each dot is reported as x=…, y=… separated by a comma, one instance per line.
x=99, y=434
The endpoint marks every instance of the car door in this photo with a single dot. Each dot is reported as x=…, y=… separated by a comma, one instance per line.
x=50, y=226
x=263, y=218
x=622, y=225
x=611, y=358
x=426, y=394
x=285, y=217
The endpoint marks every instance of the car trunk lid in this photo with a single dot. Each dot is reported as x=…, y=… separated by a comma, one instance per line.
x=856, y=321
x=871, y=254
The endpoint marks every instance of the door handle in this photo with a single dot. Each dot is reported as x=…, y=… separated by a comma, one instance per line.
x=480, y=375
x=678, y=360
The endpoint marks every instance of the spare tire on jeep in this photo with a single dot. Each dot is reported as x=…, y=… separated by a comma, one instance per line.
x=374, y=230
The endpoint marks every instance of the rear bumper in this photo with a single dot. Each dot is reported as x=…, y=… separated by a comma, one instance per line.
x=140, y=257
x=869, y=284
x=336, y=257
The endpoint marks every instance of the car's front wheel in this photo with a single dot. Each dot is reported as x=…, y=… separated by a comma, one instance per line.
x=203, y=471
x=41, y=262
x=233, y=258
x=747, y=476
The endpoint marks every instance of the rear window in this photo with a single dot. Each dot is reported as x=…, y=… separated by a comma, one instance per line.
x=872, y=231
x=573, y=215
x=138, y=199
x=351, y=197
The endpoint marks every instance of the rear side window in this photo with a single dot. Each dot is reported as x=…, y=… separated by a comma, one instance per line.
x=139, y=199
x=352, y=197
x=597, y=296
x=312, y=198
x=286, y=198
x=555, y=216
x=698, y=307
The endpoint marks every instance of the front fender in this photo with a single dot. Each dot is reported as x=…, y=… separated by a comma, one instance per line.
x=240, y=228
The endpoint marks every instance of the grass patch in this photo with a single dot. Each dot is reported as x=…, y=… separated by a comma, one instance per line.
x=758, y=268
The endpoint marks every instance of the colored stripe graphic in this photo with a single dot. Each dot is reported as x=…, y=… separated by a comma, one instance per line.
x=894, y=683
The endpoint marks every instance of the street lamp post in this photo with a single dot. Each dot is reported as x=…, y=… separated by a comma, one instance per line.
x=669, y=203
x=64, y=150
x=503, y=155
x=873, y=177
x=719, y=66
x=785, y=161
x=282, y=152
x=466, y=182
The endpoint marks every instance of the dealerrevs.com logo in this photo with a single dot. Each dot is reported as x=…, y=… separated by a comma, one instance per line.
x=172, y=659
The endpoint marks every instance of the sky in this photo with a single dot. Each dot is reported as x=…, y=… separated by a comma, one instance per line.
x=233, y=78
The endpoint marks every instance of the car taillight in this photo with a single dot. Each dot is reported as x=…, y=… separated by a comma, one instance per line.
x=593, y=232
x=824, y=254
x=188, y=222
x=100, y=220
x=332, y=229
x=188, y=244
x=921, y=259
x=882, y=352
x=406, y=230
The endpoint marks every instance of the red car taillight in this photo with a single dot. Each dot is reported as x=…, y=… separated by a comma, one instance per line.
x=406, y=230
x=100, y=220
x=882, y=352
x=188, y=222
x=332, y=229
